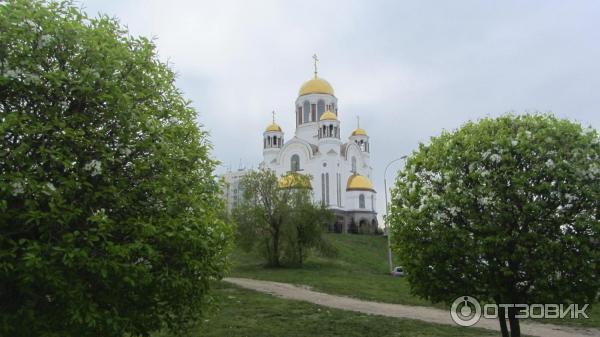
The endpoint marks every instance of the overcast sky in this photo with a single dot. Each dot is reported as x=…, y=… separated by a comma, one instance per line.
x=409, y=69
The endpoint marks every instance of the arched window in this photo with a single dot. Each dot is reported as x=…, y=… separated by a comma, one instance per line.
x=361, y=201
x=354, y=164
x=295, y=163
x=306, y=111
x=299, y=116
x=320, y=108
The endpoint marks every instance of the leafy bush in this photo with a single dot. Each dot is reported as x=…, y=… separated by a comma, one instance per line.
x=506, y=210
x=109, y=208
x=278, y=218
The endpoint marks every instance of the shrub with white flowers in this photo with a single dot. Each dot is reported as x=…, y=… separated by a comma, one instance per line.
x=504, y=209
x=110, y=215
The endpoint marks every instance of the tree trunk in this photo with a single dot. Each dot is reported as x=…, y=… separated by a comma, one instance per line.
x=275, y=252
x=515, y=329
x=502, y=320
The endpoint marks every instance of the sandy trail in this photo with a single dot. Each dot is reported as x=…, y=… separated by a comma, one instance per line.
x=432, y=315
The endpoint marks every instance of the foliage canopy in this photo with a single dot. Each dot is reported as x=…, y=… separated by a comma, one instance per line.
x=505, y=210
x=109, y=209
x=279, y=218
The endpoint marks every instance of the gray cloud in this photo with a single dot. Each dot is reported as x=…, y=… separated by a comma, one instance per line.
x=409, y=69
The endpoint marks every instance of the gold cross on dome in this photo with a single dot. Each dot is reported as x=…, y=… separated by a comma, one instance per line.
x=315, y=58
x=357, y=121
x=273, y=112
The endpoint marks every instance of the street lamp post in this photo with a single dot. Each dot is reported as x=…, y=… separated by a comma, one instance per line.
x=387, y=228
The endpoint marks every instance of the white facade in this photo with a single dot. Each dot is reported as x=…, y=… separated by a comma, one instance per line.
x=340, y=170
x=232, y=189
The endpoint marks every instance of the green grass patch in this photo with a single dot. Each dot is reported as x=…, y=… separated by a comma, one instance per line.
x=359, y=270
x=241, y=312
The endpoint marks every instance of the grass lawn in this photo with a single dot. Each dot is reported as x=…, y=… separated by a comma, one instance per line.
x=359, y=270
x=247, y=313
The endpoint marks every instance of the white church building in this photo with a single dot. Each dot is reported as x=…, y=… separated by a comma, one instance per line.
x=339, y=169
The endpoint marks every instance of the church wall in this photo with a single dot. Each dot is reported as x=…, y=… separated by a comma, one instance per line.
x=328, y=161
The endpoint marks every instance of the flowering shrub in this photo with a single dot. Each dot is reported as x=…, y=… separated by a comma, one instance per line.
x=109, y=211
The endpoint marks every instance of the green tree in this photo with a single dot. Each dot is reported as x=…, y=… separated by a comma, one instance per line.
x=505, y=210
x=277, y=217
x=306, y=222
x=108, y=201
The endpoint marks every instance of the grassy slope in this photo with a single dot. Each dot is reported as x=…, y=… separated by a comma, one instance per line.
x=247, y=313
x=359, y=270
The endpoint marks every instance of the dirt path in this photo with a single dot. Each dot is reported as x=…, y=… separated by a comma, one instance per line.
x=432, y=315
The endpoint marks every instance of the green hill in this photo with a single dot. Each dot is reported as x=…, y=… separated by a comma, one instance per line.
x=360, y=270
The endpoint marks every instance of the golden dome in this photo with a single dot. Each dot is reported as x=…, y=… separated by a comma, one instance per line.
x=358, y=182
x=294, y=180
x=273, y=127
x=316, y=86
x=359, y=132
x=328, y=116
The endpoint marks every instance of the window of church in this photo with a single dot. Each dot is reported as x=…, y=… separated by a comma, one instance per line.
x=295, y=163
x=306, y=110
x=323, y=188
x=339, y=189
x=327, y=187
x=320, y=108
x=313, y=112
x=361, y=201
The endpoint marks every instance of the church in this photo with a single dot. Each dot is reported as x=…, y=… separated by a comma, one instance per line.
x=339, y=170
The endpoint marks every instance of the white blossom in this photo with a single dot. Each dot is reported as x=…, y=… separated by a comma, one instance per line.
x=483, y=201
x=44, y=39
x=514, y=142
x=550, y=163
x=12, y=73
x=495, y=158
x=570, y=198
x=94, y=166
x=454, y=210
x=594, y=170
x=18, y=188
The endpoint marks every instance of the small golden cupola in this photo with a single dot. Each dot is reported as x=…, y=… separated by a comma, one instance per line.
x=273, y=127
x=328, y=116
x=360, y=137
x=357, y=182
x=359, y=132
x=294, y=180
x=329, y=126
x=273, y=136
